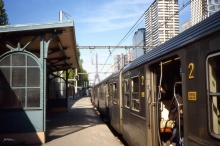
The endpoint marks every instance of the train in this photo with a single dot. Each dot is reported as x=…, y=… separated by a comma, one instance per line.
x=131, y=99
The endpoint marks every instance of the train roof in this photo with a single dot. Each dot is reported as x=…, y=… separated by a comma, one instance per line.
x=116, y=73
x=198, y=31
x=126, y=68
x=109, y=77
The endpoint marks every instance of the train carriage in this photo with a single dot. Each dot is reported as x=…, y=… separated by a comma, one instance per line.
x=184, y=70
x=104, y=98
x=133, y=105
x=115, y=112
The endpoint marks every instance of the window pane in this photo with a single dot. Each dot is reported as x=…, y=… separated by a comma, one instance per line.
x=135, y=82
x=214, y=87
x=135, y=93
x=5, y=61
x=115, y=94
x=127, y=86
x=135, y=101
x=33, y=77
x=31, y=62
x=214, y=71
x=110, y=92
x=18, y=98
x=18, y=77
x=127, y=100
x=33, y=97
x=4, y=78
x=135, y=104
x=126, y=93
x=215, y=106
x=18, y=60
x=4, y=98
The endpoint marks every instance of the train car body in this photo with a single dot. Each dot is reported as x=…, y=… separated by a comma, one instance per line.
x=186, y=66
x=93, y=95
x=104, y=98
x=115, y=112
x=133, y=105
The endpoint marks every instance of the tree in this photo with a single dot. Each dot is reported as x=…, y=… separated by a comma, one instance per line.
x=3, y=15
x=82, y=77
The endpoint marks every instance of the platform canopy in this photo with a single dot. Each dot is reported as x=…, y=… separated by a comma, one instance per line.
x=58, y=37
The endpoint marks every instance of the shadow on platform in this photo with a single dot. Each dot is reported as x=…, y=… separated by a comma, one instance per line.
x=80, y=115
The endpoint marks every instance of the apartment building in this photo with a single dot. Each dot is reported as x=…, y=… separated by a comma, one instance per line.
x=198, y=11
x=138, y=40
x=161, y=22
x=213, y=6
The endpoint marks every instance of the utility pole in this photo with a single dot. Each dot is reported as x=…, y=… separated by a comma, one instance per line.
x=75, y=96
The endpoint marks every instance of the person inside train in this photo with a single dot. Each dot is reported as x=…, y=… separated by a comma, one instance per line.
x=173, y=115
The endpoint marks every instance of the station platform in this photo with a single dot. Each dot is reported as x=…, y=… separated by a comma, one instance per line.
x=80, y=126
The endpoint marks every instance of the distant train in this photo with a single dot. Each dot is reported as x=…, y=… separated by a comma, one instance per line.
x=131, y=99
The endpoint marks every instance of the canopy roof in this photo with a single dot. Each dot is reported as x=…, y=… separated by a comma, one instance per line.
x=62, y=50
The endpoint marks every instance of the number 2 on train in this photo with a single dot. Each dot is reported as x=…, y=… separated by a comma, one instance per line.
x=191, y=67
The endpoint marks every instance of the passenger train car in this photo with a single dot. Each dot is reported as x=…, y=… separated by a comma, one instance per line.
x=133, y=101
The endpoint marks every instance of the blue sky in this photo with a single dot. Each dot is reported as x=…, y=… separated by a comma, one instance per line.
x=97, y=22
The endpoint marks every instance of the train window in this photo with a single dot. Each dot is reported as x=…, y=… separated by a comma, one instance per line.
x=98, y=93
x=115, y=97
x=103, y=92
x=213, y=82
x=135, y=92
x=126, y=93
x=110, y=92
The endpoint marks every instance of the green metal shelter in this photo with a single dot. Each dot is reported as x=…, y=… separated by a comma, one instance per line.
x=29, y=54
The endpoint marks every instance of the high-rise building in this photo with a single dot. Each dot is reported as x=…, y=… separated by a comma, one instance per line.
x=161, y=22
x=138, y=40
x=213, y=6
x=198, y=11
x=185, y=25
x=120, y=60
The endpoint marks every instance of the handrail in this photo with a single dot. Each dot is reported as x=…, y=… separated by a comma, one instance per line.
x=178, y=108
x=157, y=103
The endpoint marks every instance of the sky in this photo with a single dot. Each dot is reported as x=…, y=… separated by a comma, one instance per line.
x=96, y=22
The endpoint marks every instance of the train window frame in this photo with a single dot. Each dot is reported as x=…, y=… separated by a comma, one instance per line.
x=213, y=96
x=115, y=97
x=106, y=91
x=127, y=92
x=98, y=92
x=110, y=92
x=102, y=92
x=133, y=101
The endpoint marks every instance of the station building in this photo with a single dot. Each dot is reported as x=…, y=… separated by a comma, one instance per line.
x=29, y=55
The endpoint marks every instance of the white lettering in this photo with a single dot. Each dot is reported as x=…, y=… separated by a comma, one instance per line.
x=8, y=139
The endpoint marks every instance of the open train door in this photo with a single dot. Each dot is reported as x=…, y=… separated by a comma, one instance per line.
x=163, y=91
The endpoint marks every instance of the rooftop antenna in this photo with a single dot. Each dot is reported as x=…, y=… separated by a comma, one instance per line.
x=61, y=13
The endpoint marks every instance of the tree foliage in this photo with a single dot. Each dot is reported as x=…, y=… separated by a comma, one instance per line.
x=3, y=15
x=82, y=77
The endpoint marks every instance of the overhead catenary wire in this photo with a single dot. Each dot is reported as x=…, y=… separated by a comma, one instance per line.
x=116, y=63
x=137, y=22
x=125, y=37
